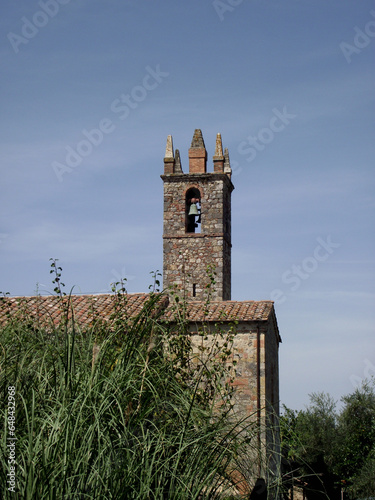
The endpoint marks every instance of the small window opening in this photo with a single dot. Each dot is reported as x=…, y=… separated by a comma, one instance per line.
x=194, y=289
x=193, y=211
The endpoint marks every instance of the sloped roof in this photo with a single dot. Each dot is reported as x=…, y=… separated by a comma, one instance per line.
x=228, y=310
x=48, y=309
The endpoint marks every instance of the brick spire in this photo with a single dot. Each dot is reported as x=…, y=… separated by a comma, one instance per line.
x=197, y=154
x=197, y=141
x=227, y=167
x=169, y=148
x=177, y=163
x=169, y=157
x=218, y=156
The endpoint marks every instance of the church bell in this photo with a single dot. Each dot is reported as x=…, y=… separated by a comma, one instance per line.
x=193, y=209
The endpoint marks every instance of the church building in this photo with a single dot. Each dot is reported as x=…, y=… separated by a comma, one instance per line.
x=197, y=244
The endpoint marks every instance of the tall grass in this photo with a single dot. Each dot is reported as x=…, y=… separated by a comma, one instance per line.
x=121, y=424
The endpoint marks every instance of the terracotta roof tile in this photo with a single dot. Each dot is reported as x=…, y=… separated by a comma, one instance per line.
x=47, y=309
x=229, y=310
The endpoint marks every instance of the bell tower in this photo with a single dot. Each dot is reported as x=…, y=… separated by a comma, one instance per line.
x=197, y=221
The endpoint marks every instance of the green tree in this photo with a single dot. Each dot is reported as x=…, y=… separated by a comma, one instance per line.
x=356, y=441
x=329, y=450
x=308, y=438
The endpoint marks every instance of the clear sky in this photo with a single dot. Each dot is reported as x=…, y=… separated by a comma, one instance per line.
x=91, y=89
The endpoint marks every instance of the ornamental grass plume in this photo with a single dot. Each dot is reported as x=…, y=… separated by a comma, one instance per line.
x=116, y=425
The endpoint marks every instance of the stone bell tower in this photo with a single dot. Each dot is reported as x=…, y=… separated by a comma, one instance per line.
x=197, y=221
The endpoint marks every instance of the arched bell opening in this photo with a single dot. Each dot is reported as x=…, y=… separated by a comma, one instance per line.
x=193, y=210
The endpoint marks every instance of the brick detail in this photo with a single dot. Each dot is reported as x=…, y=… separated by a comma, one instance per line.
x=218, y=156
x=219, y=165
x=168, y=165
x=197, y=161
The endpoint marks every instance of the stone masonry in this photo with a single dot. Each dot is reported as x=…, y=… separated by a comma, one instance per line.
x=191, y=243
x=186, y=254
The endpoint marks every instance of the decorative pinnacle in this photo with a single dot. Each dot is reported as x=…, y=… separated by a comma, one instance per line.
x=177, y=163
x=169, y=148
x=218, y=148
x=197, y=141
x=227, y=168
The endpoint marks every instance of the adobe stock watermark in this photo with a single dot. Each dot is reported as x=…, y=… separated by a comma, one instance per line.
x=31, y=26
x=11, y=439
x=236, y=168
x=221, y=7
x=294, y=276
x=122, y=107
x=255, y=144
x=119, y=278
x=368, y=373
x=361, y=40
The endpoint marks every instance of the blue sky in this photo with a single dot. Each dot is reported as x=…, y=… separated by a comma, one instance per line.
x=128, y=73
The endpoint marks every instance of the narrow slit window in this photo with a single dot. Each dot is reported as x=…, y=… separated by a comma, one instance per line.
x=194, y=289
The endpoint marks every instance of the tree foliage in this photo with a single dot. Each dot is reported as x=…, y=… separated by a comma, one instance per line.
x=329, y=450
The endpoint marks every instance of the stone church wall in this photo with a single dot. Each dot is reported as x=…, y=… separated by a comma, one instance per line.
x=255, y=349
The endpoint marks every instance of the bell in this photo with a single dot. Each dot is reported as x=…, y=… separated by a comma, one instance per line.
x=193, y=209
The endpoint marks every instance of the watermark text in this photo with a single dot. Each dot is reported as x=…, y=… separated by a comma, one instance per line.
x=255, y=144
x=361, y=40
x=121, y=107
x=294, y=276
x=11, y=439
x=31, y=26
x=221, y=7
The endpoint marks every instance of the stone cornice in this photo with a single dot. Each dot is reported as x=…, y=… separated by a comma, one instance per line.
x=195, y=178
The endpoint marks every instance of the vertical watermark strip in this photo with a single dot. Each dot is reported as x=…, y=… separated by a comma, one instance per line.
x=11, y=439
